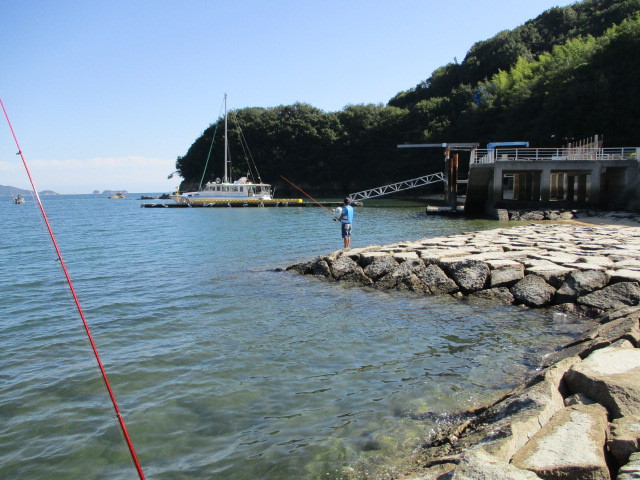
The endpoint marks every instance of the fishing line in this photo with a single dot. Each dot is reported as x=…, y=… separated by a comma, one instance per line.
x=305, y=193
x=103, y=372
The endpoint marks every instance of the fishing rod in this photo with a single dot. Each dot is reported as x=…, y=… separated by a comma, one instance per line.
x=103, y=372
x=312, y=199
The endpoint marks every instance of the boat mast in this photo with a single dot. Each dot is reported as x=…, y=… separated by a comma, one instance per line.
x=226, y=144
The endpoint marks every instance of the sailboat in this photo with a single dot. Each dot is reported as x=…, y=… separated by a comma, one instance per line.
x=225, y=190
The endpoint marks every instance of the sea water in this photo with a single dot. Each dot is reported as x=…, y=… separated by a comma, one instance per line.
x=223, y=367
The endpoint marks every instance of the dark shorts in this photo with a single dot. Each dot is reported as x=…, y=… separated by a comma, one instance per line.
x=346, y=230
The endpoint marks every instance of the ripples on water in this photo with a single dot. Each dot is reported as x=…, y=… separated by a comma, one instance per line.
x=222, y=367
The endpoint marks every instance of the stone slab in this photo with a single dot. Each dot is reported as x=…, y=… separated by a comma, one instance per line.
x=404, y=256
x=610, y=376
x=476, y=464
x=630, y=471
x=624, y=275
x=570, y=445
x=624, y=438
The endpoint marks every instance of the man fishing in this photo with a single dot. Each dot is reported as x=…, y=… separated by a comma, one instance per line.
x=346, y=219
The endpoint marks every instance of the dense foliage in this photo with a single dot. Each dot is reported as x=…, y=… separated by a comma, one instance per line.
x=568, y=74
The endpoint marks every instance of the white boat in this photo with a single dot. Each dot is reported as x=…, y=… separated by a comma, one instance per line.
x=225, y=190
x=18, y=199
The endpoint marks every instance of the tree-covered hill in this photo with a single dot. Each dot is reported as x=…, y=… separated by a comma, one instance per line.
x=570, y=73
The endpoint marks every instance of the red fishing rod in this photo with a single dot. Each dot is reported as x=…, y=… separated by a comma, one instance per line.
x=123, y=427
x=312, y=199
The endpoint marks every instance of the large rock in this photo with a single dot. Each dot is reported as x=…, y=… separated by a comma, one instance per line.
x=469, y=275
x=578, y=284
x=505, y=273
x=476, y=464
x=532, y=215
x=357, y=253
x=344, y=268
x=405, y=256
x=556, y=257
x=500, y=294
x=379, y=266
x=435, y=281
x=400, y=273
x=321, y=268
x=622, y=328
x=368, y=257
x=628, y=312
x=625, y=275
x=553, y=274
x=630, y=471
x=434, y=255
x=570, y=445
x=624, y=438
x=610, y=376
x=614, y=296
x=514, y=421
x=533, y=291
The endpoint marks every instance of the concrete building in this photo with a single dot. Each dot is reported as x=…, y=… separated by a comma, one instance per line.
x=573, y=177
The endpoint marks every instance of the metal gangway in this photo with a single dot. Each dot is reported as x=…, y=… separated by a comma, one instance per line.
x=398, y=187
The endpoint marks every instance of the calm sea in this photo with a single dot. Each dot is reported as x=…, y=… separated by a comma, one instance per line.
x=222, y=367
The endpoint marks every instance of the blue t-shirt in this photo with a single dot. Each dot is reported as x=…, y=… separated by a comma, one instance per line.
x=347, y=214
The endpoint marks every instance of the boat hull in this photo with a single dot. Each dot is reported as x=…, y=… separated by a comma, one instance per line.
x=202, y=200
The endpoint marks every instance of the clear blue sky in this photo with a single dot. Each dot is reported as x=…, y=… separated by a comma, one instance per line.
x=106, y=94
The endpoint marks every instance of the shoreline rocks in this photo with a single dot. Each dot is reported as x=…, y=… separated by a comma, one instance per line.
x=577, y=418
x=581, y=269
x=533, y=214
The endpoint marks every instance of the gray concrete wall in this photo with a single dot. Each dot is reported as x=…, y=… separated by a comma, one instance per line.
x=593, y=183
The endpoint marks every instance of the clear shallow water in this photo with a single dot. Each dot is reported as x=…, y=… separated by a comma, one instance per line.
x=223, y=368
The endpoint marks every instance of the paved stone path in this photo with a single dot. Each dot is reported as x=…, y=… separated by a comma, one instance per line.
x=584, y=268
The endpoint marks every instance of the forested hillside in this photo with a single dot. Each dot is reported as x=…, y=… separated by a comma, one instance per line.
x=570, y=73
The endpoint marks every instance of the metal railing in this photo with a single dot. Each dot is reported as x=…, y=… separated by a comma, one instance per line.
x=398, y=187
x=548, y=154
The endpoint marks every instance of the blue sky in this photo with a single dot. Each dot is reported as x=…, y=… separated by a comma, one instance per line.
x=106, y=94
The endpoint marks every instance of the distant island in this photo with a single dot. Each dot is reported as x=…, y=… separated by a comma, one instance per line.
x=6, y=190
x=109, y=192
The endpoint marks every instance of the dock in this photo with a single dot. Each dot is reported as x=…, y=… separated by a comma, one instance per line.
x=276, y=202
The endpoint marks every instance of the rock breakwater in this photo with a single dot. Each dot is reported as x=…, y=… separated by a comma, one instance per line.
x=576, y=419
x=582, y=269
x=628, y=218
x=579, y=417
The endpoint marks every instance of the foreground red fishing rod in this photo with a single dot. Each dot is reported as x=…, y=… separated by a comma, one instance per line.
x=306, y=194
x=77, y=302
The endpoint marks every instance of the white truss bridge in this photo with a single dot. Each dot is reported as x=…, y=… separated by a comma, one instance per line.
x=398, y=187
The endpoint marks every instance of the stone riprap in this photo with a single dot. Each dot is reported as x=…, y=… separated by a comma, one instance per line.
x=579, y=417
x=576, y=419
x=577, y=268
x=629, y=218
